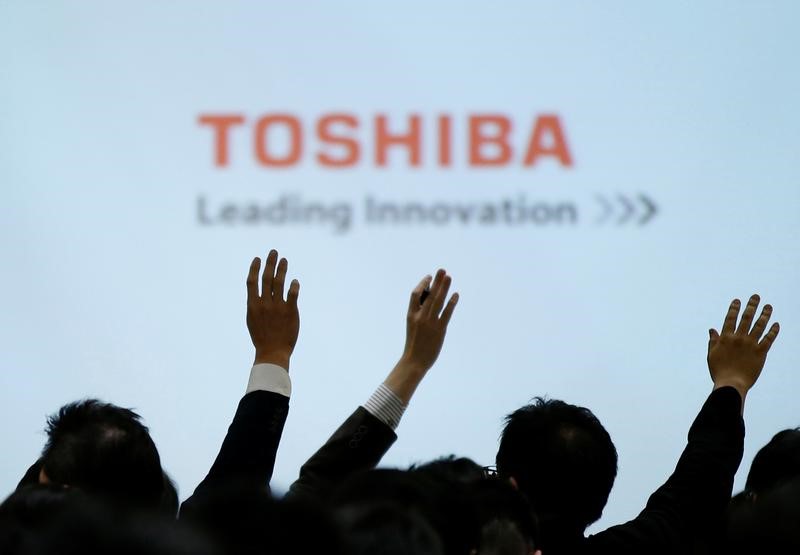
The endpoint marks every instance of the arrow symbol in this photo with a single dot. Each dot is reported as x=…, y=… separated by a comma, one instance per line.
x=650, y=209
x=607, y=210
x=626, y=209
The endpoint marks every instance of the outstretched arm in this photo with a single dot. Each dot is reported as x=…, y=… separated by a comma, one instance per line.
x=247, y=455
x=691, y=503
x=363, y=439
x=426, y=326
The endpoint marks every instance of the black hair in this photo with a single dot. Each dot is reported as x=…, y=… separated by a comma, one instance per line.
x=504, y=516
x=170, y=502
x=769, y=525
x=386, y=528
x=562, y=458
x=451, y=469
x=437, y=502
x=775, y=463
x=26, y=513
x=104, y=450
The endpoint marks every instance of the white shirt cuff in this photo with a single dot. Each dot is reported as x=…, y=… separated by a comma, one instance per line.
x=269, y=377
x=386, y=406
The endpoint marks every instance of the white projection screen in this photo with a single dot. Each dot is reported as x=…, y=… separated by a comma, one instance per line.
x=600, y=178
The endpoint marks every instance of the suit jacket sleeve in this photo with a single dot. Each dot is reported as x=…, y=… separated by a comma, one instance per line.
x=247, y=455
x=694, y=498
x=358, y=444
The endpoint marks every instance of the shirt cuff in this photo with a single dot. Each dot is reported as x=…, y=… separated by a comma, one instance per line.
x=386, y=406
x=269, y=377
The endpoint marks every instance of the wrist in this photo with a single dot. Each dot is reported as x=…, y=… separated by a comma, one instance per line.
x=272, y=357
x=404, y=379
x=738, y=385
x=410, y=367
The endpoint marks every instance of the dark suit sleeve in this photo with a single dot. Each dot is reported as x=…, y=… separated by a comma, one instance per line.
x=358, y=444
x=247, y=455
x=693, y=500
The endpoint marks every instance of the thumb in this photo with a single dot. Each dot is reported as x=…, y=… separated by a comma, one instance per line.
x=713, y=337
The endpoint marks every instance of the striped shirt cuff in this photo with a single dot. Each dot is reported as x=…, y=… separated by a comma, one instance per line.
x=269, y=377
x=386, y=406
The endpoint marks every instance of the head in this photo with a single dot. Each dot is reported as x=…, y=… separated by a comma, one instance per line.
x=451, y=469
x=562, y=458
x=388, y=529
x=428, y=495
x=777, y=462
x=769, y=525
x=105, y=451
x=504, y=517
x=26, y=513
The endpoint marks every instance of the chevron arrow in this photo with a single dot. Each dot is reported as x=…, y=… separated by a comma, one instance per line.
x=650, y=210
x=625, y=209
x=607, y=209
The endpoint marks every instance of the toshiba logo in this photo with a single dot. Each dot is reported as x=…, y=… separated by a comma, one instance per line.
x=343, y=140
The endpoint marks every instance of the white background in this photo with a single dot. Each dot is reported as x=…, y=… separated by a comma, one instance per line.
x=111, y=288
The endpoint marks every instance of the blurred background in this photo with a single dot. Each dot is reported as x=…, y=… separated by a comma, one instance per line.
x=601, y=179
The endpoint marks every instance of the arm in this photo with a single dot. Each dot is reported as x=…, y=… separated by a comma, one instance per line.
x=248, y=452
x=694, y=498
x=363, y=439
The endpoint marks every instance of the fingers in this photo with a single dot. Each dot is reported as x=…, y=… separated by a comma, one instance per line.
x=448, y=310
x=294, y=291
x=761, y=323
x=747, y=315
x=280, y=278
x=269, y=274
x=415, y=302
x=730, y=319
x=252, y=280
x=713, y=337
x=766, y=343
x=439, y=289
x=433, y=288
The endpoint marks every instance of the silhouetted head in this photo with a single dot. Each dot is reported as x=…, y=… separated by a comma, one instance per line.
x=106, y=451
x=562, y=458
x=385, y=528
x=240, y=519
x=450, y=469
x=770, y=525
x=777, y=462
x=504, y=517
x=27, y=513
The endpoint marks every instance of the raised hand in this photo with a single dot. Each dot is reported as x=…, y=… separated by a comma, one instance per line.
x=426, y=326
x=273, y=322
x=737, y=355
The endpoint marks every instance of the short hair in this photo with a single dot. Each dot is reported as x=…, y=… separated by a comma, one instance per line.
x=389, y=529
x=26, y=513
x=775, y=463
x=769, y=525
x=504, y=516
x=562, y=458
x=451, y=469
x=104, y=450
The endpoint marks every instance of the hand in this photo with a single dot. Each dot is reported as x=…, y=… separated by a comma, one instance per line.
x=426, y=325
x=736, y=357
x=273, y=322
